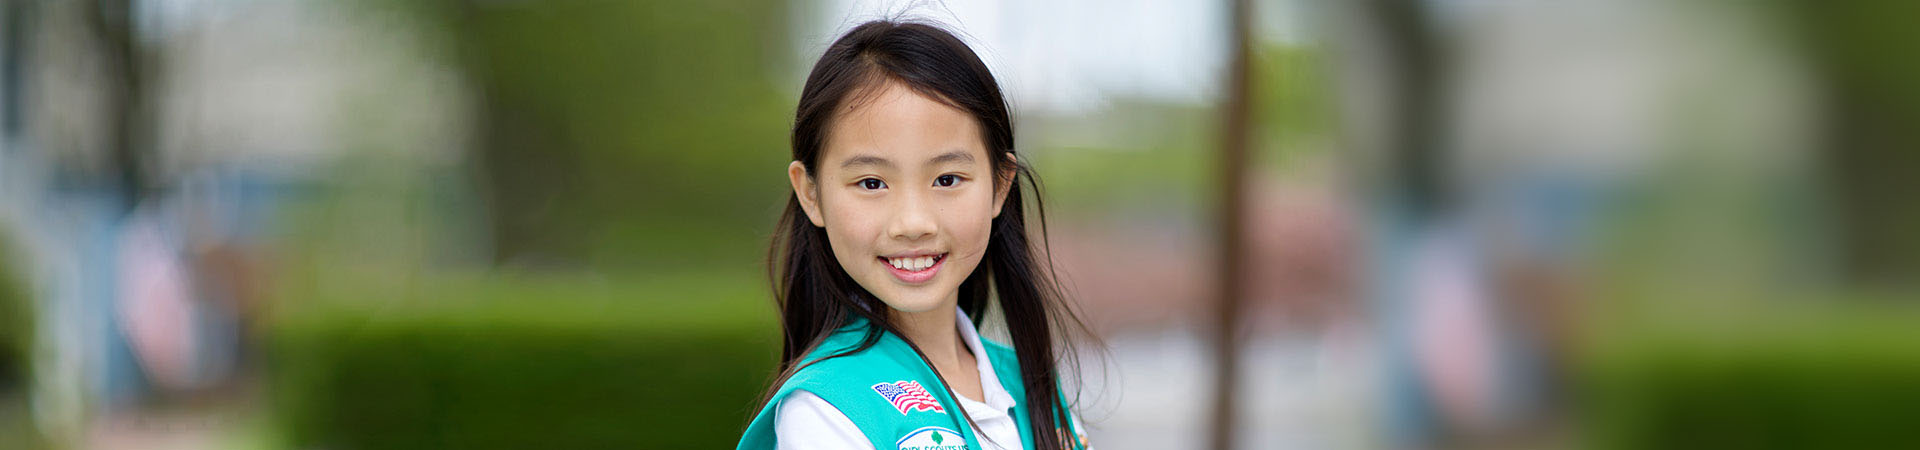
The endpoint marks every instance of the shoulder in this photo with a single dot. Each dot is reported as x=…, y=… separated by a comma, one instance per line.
x=806, y=421
x=869, y=394
x=1002, y=356
x=833, y=365
x=844, y=376
x=996, y=348
x=847, y=356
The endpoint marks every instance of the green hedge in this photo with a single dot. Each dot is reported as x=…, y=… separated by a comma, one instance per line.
x=16, y=328
x=1850, y=382
x=510, y=364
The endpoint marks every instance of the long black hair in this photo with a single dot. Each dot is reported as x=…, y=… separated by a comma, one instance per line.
x=815, y=294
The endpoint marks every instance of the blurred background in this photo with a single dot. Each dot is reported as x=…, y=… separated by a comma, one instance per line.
x=367, y=224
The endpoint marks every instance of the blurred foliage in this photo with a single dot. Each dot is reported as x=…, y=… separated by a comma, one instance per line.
x=1137, y=157
x=525, y=362
x=1862, y=55
x=16, y=326
x=1820, y=374
x=602, y=125
x=1706, y=330
x=1150, y=160
x=16, y=358
x=1295, y=102
x=625, y=162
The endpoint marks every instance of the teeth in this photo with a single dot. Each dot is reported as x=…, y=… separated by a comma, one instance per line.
x=911, y=264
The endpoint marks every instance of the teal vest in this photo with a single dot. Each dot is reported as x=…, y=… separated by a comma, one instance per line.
x=890, y=394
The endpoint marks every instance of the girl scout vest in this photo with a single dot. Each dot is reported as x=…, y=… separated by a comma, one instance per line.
x=890, y=394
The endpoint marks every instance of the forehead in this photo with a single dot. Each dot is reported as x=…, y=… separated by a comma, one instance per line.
x=899, y=124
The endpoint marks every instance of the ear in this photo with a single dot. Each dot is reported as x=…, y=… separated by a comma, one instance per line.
x=1005, y=185
x=806, y=191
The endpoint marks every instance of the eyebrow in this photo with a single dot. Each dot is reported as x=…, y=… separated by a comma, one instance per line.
x=870, y=160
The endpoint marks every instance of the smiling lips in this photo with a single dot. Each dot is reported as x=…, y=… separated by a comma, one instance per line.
x=914, y=269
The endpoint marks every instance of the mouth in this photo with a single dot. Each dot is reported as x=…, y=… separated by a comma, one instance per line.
x=914, y=269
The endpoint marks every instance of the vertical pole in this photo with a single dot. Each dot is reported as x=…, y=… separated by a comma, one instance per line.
x=1235, y=137
x=127, y=66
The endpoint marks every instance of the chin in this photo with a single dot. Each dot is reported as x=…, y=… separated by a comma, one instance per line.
x=910, y=303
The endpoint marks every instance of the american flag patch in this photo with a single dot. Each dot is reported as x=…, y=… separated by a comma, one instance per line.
x=908, y=396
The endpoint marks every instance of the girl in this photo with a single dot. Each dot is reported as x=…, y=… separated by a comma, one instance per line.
x=905, y=182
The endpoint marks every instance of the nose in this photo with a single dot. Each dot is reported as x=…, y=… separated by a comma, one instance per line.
x=914, y=219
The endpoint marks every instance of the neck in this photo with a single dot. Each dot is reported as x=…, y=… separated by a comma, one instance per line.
x=937, y=333
x=934, y=332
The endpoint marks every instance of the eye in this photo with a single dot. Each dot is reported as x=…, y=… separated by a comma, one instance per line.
x=873, y=184
x=946, y=180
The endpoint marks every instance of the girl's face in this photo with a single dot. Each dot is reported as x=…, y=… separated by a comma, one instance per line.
x=906, y=192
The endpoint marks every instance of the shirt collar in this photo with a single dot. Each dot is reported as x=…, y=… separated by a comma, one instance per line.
x=996, y=395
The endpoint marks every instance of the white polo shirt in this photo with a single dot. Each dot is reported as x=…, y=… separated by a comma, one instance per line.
x=805, y=421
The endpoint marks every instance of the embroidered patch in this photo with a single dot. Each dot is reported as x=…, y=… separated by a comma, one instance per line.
x=931, y=438
x=908, y=396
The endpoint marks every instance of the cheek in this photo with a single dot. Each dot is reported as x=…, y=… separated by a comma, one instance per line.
x=972, y=224
x=850, y=230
